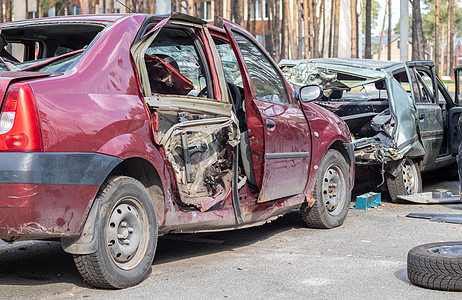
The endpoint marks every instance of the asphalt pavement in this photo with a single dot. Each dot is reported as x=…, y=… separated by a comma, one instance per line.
x=363, y=259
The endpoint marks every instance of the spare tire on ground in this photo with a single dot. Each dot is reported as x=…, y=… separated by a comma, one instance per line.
x=436, y=266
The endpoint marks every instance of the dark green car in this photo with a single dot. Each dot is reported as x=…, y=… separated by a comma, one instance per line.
x=401, y=116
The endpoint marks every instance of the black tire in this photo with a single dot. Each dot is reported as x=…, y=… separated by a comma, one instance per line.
x=127, y=236
x=436, y=266
x=408, y=181
x=332, y=193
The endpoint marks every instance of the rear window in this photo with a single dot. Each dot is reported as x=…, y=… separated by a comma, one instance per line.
x=52, y=47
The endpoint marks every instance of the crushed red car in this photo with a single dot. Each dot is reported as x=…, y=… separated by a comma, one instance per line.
x=116, y=129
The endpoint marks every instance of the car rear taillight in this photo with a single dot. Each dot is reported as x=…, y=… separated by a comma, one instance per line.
x=19, y=124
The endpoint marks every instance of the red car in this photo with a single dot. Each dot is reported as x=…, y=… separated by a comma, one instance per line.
x=116, y=129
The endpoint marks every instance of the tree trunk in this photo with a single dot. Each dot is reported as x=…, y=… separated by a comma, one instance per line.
x=249, y=11
x=389, y=30
x=368, y=49
x=276, y=30
x=8, y=10
x=299, y=34
x=323, y=14
x=383, y=29
x=284, y=43
x=263, y=24
x=354, y=50
x=418, y=47
x=290, y=30
x=254, y=16
x=26, y=8
x=308, y=33
x=191, y=10
x=331, y=28
x=451, y=36
x=2, y=20
x=336, y=28
x=270, y=46
x=437, y=37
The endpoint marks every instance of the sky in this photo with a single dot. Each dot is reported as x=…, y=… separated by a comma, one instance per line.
x=395, y=7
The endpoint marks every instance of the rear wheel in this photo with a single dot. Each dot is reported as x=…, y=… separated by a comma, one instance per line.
x=436, y=266
x=332, y=193
x=408, y=181
x=127, y=236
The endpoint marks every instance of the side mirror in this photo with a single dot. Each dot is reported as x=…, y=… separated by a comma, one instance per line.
x=310, y=93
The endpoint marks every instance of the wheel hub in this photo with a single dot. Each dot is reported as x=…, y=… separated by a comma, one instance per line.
x=409, y=179
x=332, y=189
x=124, y=232
x=451, y=250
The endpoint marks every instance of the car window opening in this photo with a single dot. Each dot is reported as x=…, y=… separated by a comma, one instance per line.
x=175, y=65
x=51, y=48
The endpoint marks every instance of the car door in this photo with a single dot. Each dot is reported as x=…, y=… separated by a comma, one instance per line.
x=279, y=137
x=192, y=124
x=430, y=113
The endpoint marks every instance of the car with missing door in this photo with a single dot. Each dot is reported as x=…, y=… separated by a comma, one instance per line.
x=116, y=129
x=401, y=116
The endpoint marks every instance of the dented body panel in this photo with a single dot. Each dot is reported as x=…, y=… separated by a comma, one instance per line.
x=103, y=115
x=393, y=109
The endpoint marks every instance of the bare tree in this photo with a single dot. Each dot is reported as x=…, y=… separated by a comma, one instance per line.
x=1, y=11
x=389, y=31
x=418, y=46
x=276, y=29
x=331, y=28
x=368, y=49
x=254, y=17
x=249, y=11
x=323, y=14
x=354, y=23
x=26, y=9
x=290, y=29
x=308, y=33
x=262, y=24
x=8, y=12
x=451, y=36
x=336, y=28
x=383, y=29
x=111, y=7
x=299, y=40
x=437, y=37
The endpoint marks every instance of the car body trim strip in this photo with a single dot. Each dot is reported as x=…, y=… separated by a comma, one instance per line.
x=287, y=155
x=65, y=168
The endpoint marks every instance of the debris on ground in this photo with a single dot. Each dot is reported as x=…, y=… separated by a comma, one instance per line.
x=446, y=218
x=368, y=200
x=438, y=197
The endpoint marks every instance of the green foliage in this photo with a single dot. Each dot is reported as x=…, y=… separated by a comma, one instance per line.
x=428, y=17
x=375, y=13
x=45, y=5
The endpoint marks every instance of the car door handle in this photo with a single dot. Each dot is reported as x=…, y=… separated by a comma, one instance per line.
x=270, y=123
x=421, y=116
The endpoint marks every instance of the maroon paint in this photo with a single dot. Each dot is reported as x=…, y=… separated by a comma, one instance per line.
x=97, y=107
x=44, y=210
x=329, y=128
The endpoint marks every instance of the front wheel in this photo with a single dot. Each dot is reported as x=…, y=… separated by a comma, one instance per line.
x=332, y=193
x=127, y=236
x=408, y=181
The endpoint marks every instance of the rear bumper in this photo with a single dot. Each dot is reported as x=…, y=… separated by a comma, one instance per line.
x=49, y=194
